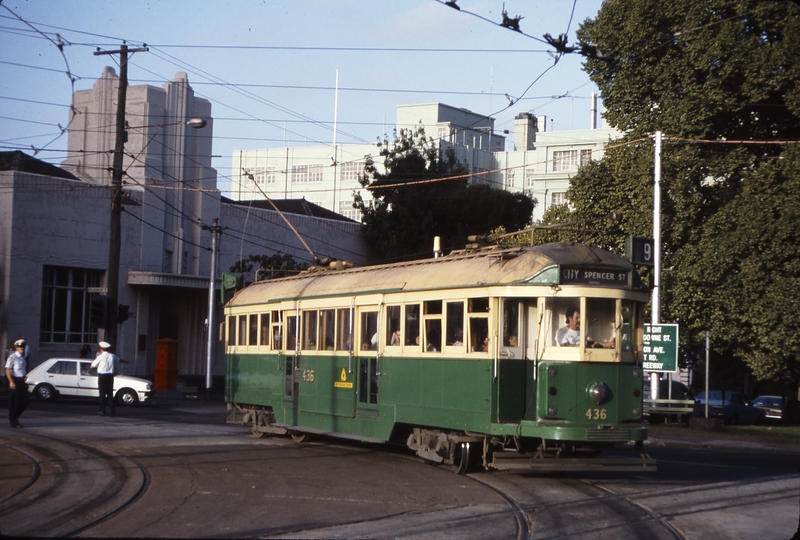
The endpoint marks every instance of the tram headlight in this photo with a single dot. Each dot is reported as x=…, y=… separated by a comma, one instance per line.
x=598, y=392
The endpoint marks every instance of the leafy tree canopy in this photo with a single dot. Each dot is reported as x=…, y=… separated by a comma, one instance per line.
x=424, y=193
x=268, y=266
x=705, y=70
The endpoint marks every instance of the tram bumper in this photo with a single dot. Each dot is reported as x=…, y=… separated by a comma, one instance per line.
x=594, y=434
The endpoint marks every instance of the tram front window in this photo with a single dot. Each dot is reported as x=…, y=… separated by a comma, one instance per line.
x=600, y=322
x=566, y=325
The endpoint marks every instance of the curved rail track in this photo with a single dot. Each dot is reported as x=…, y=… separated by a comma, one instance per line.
x=72, y=487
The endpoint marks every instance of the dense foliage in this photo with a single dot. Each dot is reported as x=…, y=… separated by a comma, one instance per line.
x=424, y=192
x=720, y=79
x=268, y=266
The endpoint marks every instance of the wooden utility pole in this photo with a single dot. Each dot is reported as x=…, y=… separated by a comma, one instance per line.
x=112, y=274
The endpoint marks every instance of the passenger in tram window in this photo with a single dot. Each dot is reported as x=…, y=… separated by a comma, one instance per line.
x=395, y=339
x=570, y=335
x=365, y=346
x=485, y=347
x=513, y=341
x=458, y=339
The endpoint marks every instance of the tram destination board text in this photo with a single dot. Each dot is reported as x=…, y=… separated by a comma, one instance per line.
x=593, y=276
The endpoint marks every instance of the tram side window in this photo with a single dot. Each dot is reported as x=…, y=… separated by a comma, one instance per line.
x=510, y=323
x=411, y=337
x=265, y=319
x=276, y=330
x=344, y=337
x=252, y=334
x=369, y=330
x=601, y=322
x=478, y=313
x=455, y=324
x=232, y=330
x=629, y=319
x=433, y=326
x=393, y=326
x=327, y=329
x=309, y=337
x=242, y=330
x=291, y=333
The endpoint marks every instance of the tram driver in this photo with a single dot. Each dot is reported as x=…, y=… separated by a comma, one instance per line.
x=570, y=335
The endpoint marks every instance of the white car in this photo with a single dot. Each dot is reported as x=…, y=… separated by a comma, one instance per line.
x=75, y=377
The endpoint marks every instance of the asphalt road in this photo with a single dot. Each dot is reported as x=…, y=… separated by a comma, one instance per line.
x=176, y=469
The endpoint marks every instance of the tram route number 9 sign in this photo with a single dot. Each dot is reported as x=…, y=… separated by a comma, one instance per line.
x=660, y=351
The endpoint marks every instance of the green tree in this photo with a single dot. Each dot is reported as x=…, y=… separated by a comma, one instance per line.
x=424, y=193
x=711, y=70
x=268, y=266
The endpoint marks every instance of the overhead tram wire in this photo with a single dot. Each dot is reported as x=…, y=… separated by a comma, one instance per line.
x=59, y=44
x=264, y=101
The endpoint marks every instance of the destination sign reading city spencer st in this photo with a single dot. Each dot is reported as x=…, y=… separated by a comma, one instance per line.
x=660, y=347
x=592, y=276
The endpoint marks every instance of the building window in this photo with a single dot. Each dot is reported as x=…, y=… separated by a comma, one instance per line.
x=351, y=171
x=346, y=209
x=586, y=157
x=264, y=175
x=510, y=178
x=66, y=305
x=529, y=177
x=568, y=160
x=565, y=160
x=559, y=198
x=302, y=174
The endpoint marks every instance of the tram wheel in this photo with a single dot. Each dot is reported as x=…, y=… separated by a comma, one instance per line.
x=461, y=458
x=258, y=434
x=299, y=437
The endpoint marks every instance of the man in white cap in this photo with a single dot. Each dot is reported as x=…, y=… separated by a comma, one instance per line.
x=16, y=369
x=105, y=363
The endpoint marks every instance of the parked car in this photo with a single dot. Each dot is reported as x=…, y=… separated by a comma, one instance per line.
x=679, y=392
x=779, y=409
x=732, y=407
x=75, y=377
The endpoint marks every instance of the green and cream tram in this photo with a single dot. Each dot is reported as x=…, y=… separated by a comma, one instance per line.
x=460, y=356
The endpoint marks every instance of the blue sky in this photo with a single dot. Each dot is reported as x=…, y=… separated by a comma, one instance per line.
x=269, y=67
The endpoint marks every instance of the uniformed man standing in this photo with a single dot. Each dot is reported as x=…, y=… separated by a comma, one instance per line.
x=16, y=369
x=105, y=363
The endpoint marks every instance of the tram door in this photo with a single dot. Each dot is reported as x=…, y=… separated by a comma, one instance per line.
x=368, y=361
x=291, y=387
x=512, y=364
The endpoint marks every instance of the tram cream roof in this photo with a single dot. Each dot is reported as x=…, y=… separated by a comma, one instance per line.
x=474, y=269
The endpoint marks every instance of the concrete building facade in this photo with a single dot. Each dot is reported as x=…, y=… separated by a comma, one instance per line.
x=541, y=163
x=54, y=237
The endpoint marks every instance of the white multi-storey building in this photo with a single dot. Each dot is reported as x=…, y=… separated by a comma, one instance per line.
x=541, y=163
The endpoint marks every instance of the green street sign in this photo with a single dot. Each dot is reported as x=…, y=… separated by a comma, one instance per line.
x=660, y=351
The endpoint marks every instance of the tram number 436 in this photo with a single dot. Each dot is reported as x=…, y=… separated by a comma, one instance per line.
x=596, y=414
x=308, y=375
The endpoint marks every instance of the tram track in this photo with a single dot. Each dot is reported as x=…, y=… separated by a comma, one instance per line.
x=73, y=487
x=584, y=508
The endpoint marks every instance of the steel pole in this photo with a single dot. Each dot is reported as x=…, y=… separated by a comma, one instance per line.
x=655, y=304
x=211, y=286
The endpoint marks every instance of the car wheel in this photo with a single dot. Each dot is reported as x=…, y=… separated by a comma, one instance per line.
x=45, y=392
x=127, y=397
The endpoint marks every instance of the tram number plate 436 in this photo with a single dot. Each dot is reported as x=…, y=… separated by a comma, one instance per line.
x=308, y=375
x=596, y=414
